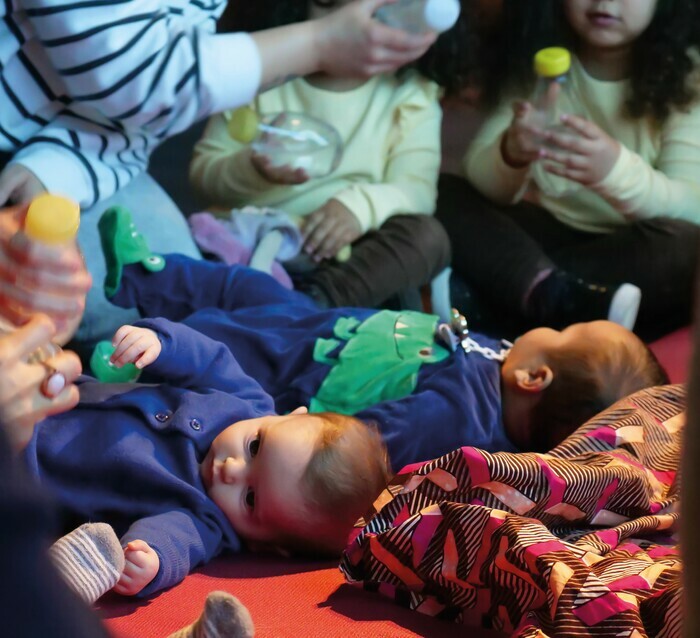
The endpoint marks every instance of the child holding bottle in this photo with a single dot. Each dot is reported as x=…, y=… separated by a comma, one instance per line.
x=379, y=199
x=629, y=141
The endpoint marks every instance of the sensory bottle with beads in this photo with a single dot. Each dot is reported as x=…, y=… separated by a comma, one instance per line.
x=288, y=139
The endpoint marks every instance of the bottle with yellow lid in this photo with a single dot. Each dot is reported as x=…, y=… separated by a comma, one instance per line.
x=52, y=220
x=551, y=67
x=296, y=140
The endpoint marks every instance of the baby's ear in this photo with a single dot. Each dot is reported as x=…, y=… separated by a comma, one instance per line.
x=300, y=410
x=535, y=380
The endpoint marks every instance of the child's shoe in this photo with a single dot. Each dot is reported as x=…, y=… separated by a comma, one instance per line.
x=122, y=244
x=562, y=299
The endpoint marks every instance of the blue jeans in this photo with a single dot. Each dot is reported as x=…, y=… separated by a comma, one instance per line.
x=162, y=224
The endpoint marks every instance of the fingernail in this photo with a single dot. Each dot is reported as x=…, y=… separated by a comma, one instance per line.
x=55, y=384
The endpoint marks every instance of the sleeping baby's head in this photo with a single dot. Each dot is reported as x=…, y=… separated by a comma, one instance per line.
x=554, y=381
x=296, y=482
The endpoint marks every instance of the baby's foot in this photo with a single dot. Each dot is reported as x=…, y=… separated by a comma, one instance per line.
x=90, y=559
x=224, y=616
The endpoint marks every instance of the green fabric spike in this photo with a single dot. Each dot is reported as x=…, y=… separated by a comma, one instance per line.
x=322, y=350
x=380, y=361
x=345, y=327
x=122, y=244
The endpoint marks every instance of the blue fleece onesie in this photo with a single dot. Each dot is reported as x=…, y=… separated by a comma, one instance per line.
x=129, y=454
x=433, y=400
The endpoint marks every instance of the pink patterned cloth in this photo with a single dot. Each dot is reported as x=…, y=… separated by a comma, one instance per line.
x=577, y=542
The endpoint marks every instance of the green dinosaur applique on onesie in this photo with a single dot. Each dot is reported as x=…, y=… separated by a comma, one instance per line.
x=379, y=361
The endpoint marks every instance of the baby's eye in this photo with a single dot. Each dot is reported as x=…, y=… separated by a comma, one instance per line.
x=254, y=446
x=250, y=498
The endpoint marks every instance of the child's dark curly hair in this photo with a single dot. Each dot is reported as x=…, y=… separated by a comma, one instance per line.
x=661, y=63
x=449, y=62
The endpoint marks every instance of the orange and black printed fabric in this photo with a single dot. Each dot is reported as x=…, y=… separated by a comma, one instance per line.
x=577, y=542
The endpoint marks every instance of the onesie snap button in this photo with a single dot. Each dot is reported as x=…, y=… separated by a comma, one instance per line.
x=162, y=417
x=195, y=424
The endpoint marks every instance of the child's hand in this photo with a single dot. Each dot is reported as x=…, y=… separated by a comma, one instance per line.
x=139, y=346
x=522, y=141
x=18, y=185
x=329, y=229
x=277, y=174
x=141, y=567
x=585, y=155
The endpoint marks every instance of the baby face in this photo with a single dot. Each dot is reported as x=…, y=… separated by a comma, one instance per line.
x=253, y=472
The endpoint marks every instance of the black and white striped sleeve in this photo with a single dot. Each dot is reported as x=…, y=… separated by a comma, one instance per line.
x=126, y=74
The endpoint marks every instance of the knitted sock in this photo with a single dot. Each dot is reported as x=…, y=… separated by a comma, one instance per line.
x=122, y=244
x=90, y=559
x=224, y=616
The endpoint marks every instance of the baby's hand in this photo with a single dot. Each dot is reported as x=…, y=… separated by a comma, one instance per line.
x=522, y=141
x=584, y=154
x=277, y=174
x=141, y=567
x=139, y=346
x=329, y=229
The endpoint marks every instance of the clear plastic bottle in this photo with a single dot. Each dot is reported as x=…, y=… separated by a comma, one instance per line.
x=296, y=140
x=419, y=16
x=50, y=219
x=552, y=67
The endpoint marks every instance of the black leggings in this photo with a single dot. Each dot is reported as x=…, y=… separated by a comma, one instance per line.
x=500, y=251
x=407, y=252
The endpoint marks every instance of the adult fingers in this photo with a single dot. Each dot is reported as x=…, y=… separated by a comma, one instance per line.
x=23, y=341
x=30, y=253
x=30, y=301
x=311, y=222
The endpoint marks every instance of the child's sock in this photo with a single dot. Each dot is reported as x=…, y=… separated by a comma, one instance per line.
x=224, y=616
x=90, y=559
x=122, y=244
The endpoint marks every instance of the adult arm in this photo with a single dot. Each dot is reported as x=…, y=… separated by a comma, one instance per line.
x=181, y=540
x=671, y=188
x=154, y=70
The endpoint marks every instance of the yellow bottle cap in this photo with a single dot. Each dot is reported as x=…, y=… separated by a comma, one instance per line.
x=243, y=124
x=52, y=219
x=552, y=62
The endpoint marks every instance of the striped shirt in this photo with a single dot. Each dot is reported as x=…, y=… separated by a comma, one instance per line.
x=88, y=88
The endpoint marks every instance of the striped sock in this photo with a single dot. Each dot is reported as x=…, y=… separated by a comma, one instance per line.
x=90, y=559
x=224, y=616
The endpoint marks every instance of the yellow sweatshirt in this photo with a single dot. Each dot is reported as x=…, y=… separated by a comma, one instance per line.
x=656, y=175
x=391, y=131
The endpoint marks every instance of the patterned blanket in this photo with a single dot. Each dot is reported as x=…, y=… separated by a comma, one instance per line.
x=577, y=542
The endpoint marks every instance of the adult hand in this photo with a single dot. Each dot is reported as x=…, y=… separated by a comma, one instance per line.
x=277, y=174
x=18, y=185
x=329, y=229
x=582, y=152
x=350, y=42
x=38, y=278
x=522, y=141
x=29, y=392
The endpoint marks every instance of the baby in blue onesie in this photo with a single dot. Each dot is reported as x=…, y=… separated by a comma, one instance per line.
x=201, y=463
x=384, y=367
